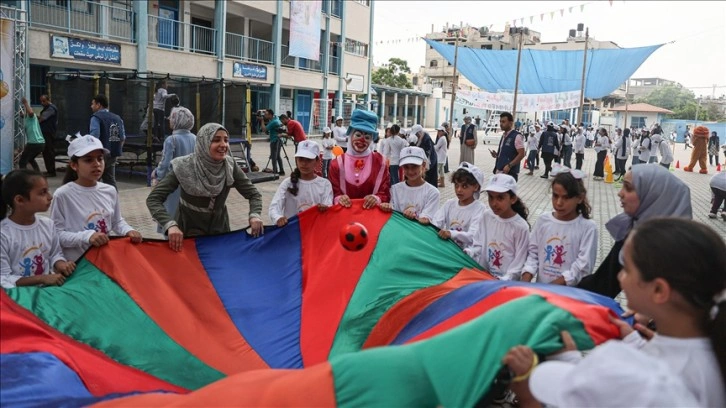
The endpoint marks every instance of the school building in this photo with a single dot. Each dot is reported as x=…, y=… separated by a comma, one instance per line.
x=244, y=42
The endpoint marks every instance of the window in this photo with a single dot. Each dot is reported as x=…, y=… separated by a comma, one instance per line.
x=364, y=2
x=37, y=82
x=356, y=47
x=486, y=47
x=638, y=121
x=434, y=63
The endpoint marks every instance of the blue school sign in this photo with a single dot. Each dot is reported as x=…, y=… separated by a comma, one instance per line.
x=252, y=71
x=84, y=50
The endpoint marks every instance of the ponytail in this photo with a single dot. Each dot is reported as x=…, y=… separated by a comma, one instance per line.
x=294, y=177
x=519, y=206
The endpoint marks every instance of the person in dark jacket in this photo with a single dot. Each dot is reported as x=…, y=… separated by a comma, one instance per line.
x=548, y=143
x=425, y=142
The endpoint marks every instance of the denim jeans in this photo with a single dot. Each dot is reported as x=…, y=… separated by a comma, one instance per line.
x=579, y=157
x=393, y=170
x=531, y=158
x=567, y=155
x=275, y=157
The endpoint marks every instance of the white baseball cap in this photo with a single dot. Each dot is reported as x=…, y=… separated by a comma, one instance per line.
x=415, y=129
x=412, y=155
x=327, y=130
x=502, y=183
x=83, y=145
x=613, y=375
x=475, y=171
x=338, y=118
x=308, y=149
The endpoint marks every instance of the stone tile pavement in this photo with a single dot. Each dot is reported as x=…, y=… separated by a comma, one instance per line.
x=533, y=190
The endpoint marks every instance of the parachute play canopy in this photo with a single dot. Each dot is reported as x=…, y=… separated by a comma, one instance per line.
x=291, y=318
x=543, y=71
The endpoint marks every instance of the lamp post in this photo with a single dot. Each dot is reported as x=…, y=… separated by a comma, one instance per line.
x=522, y=31
x=582, y=85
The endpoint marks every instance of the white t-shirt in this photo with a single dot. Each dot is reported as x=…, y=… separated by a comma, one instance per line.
x=533, y=141
x=562, y=248
x=644, y=150
x=621, y=149
x=460, y=221
x=655, y=143
x=692, y=359
x=309, y=193
x=579, y=143
x=394, y=146
x=504, y=244
x=441, y=150
x=78, y=212
x=27, y=250
x=328, y=145
x=340, y=136
x=666, y=155
x=718, y=181
x=423, y=199
x=604, y=144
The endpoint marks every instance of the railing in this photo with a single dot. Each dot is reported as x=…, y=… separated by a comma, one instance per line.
x=173, y=34
x=84, y=17
x=287, y=59
x=310, y=65
x=248, y=48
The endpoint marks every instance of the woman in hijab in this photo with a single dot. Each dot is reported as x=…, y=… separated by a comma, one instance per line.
x=204, y=179
x=648, y=191
x=180, y=143
x=360, y=172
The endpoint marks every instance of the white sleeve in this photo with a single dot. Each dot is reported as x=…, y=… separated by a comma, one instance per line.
x=532, y=263
x=429, y=207
x=521, y=246
x=7, y=279
x=474, y=239
x=571, y=356
x=585, y=261
x=277, y=206
x=56, y=252
x=634, y=339
x=439, y=219
x=328, y=194
x=68, y=239
x=119, y=224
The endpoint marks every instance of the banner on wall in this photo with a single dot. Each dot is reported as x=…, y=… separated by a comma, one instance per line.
x=305, y=28
x=84, y=50
x=529, y=103
x=7, y=104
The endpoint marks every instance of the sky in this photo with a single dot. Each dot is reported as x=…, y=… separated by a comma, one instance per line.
x=697, y=58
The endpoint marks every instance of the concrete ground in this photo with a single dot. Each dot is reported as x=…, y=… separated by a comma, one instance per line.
x=533, y=190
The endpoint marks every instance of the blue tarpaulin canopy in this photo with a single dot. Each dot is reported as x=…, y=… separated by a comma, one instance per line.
x=544, y=71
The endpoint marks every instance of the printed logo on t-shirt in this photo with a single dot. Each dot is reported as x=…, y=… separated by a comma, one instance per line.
x=494, y=258
x=554, y=256
x=96, y=221
x=33, y=261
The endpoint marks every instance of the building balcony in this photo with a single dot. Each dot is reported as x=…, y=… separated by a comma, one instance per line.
x=178, y=35
x=84, y=17
x=249, y=49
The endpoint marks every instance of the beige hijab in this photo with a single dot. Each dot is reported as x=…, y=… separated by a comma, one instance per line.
x=197, y=173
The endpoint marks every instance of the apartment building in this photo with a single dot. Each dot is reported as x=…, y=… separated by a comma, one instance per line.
x=233, y=40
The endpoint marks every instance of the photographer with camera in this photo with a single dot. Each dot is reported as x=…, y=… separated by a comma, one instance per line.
x=293, y=129
x=273, y=129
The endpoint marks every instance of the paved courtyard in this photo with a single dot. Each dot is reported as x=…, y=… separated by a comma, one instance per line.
x=533, y=190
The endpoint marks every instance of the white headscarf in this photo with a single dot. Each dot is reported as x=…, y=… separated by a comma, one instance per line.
x=181, y=119
x=661, y=194
x=200, y=175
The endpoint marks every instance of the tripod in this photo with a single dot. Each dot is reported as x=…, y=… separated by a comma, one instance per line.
x=283, y=142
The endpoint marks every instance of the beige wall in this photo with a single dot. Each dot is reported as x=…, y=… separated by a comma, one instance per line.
x=181, y=63
x=355, y=12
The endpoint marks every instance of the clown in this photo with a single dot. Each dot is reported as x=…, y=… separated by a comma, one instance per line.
x=360, y=172
x=699, y=153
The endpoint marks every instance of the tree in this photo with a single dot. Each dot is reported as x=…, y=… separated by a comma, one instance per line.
x=683, y=103
x=393, y=74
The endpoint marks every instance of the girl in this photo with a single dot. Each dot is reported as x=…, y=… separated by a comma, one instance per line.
x=621, y=151
x=666, y=155
x=563, y=243
x=328, y=145
x=602, y=145
x=713, y=143
x=181, y=143
x=684, y=292
x=648, y=191
x=393, y=148
x=441, y=149
x=457, y=218
x=30, y=249
x=579, y=147
x=503, y=231
x=303, y=189
x=415, y=198
x=644, y=147
x=205, y=178
x=84, y=210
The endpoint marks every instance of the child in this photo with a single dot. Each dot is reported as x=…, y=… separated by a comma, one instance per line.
x=684, y=292
x=563, y=243
x=459, y=216
x=503, y=231
x=30, y=248
x=303, y=189
x=393, y=148
x=36, y=142
x=666, y=155
x=328, y=145
x=84, y=210
x=415, y=198
x=441, y=149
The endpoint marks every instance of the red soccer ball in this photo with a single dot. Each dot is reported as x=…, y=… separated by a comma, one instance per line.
x=353, y=236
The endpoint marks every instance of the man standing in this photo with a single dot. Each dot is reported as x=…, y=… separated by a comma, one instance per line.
x=468, y=141
x=511, y=148
x=160, y=111
x=424, y=141
x=48, y=124
x=109, y=128
x=273, y=125
x=294, y=129
x=340, y=133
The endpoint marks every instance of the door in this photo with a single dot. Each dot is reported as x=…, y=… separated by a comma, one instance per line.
x=304, y=108
x=168, y=31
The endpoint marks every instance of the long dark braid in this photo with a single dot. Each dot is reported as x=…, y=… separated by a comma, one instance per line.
x=294, y=177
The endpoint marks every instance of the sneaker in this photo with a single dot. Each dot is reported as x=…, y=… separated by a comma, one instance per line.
x=267, y=170
x=544, y=176
x=713, y=215
x=255, y=168
x=536, y=167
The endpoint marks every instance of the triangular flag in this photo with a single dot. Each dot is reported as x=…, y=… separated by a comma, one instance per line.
x=582, y=7
x=562, y=12
x=541, y=17
x=530, y=19
x=490, y=26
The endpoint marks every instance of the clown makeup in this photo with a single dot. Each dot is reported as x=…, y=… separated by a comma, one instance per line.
x=360, y=140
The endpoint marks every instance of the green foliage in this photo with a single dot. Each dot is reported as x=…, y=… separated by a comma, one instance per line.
x=394, y=74
x=683, y=103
